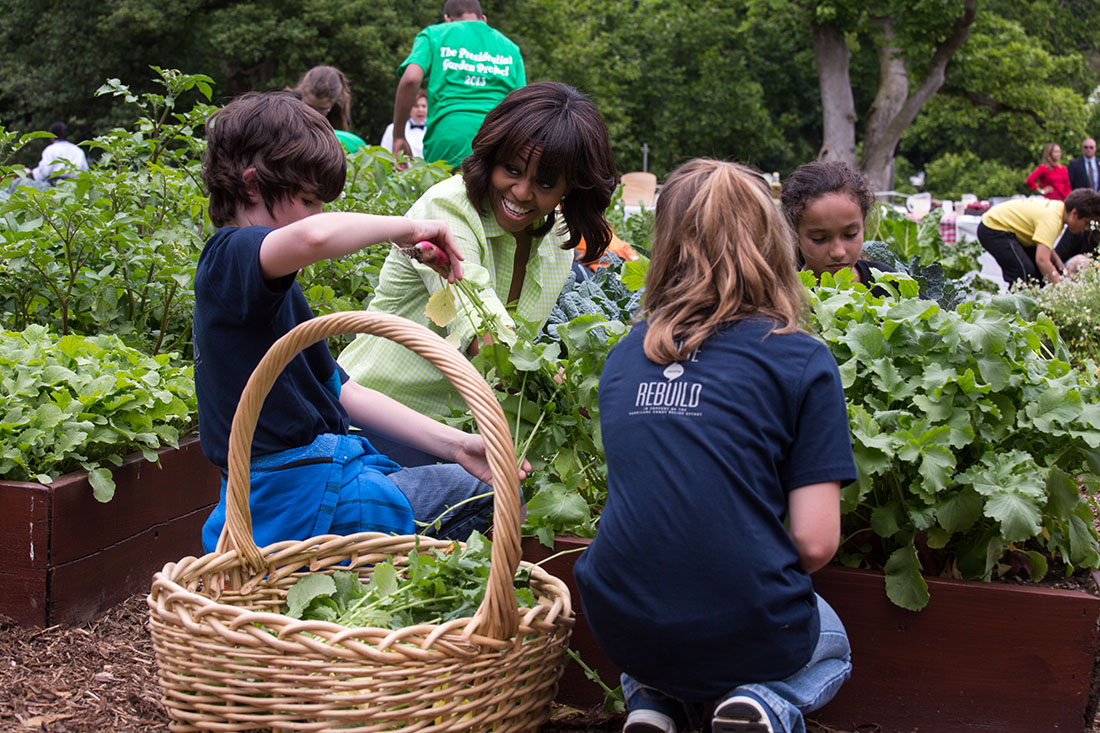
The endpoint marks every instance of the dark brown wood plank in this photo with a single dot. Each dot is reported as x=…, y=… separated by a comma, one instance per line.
x=979, y=656
x=575, y=688
x=83, y=588
x=23, y=595
x=145, y=496
x=24, y=526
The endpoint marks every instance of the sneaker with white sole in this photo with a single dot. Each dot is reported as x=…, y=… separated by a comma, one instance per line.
x=741, y=714
x=645, y=720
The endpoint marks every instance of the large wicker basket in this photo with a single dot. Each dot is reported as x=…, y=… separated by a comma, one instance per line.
x=230, y=660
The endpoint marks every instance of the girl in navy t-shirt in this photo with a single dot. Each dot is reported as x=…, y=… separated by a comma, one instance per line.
x=727, y=442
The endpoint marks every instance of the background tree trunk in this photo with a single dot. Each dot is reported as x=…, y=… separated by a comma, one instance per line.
x=877, y=164
x=894, y=108
x=837, y=104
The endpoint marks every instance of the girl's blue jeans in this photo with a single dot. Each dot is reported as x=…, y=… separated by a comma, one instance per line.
x=807, y=689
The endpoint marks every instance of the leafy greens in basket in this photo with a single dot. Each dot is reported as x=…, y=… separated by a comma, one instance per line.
x=436, y=585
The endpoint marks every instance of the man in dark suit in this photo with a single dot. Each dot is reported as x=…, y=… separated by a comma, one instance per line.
x=1084, y=172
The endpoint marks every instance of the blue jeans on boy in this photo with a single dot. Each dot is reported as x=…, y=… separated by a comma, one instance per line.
x=432, y=490
x=808, y=689
x=339, y=484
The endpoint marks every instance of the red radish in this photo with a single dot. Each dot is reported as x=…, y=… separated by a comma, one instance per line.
x=429, y=254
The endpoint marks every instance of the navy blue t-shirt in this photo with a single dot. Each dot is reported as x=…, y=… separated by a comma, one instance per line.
x=238, y=316
x=693, y=585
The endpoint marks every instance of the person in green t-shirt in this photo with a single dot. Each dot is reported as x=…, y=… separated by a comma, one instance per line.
x=469, y=68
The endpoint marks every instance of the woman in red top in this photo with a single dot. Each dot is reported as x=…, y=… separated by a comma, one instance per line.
x=1050, y=178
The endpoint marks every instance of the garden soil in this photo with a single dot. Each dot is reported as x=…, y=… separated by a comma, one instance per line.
x=101, y=677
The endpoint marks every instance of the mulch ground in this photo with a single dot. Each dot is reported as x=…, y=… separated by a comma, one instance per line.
x=102, y=677
x=97, y=677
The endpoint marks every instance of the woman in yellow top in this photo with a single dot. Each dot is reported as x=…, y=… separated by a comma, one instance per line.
x=1021, y=233
x=545, y=144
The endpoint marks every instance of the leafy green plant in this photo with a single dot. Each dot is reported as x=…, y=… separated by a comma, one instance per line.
x=376, y=186
x=549, y=394
x=605, y=294
x=548, y=391
x=934, y=284
x=971, y=434
x=75, y=402
x=1074, y=306
x=921, y=243
x=634, y=229
x=114, y=249
x=429, y=587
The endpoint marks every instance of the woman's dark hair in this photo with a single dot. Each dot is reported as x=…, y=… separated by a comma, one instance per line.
x=1085, y=202
x=60, y=130
x=289, y=144
x=814, y=180
x=458, y=8
x=568, y=133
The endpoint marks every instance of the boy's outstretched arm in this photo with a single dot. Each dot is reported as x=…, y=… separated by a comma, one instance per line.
x=814, y=512
x=379, y=413
x=335, y=234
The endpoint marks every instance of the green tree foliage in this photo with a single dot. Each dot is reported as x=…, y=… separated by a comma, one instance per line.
x=52, y=69
x=953, y=174
x=677, y=77
x=728, y=78
x=1006, y=97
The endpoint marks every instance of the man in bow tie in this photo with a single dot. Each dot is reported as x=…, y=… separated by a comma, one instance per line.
x=414, y=126
x=1084, y=172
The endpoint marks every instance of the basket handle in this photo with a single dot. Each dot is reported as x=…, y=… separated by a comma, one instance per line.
x=497, y=616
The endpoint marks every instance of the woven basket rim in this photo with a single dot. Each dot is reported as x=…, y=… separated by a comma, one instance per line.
x=549, y=588
x=241, y=563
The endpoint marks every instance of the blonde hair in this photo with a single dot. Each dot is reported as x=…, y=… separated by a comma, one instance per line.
x=721, y=252
x=1048, y=154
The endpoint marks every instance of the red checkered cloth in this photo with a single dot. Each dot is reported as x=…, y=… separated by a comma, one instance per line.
x=947, y=227
x=947, y=230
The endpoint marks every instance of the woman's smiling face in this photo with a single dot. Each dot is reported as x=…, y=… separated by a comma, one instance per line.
x=517, y=196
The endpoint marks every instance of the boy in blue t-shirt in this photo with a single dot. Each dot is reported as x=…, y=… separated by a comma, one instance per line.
x=270, y=162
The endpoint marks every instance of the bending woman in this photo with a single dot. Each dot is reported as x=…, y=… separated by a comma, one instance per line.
x=543, y=146
x=325, y=88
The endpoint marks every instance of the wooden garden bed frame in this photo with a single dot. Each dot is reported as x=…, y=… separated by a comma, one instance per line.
x=978, y=657
x=65, y=557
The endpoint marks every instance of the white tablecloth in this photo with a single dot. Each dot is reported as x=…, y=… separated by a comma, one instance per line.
x=960, y=228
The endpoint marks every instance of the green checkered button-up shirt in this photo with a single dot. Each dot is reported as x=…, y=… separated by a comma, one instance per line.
x=405, y=285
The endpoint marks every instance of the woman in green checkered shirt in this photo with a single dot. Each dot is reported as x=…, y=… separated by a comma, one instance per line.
x=543, y=146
